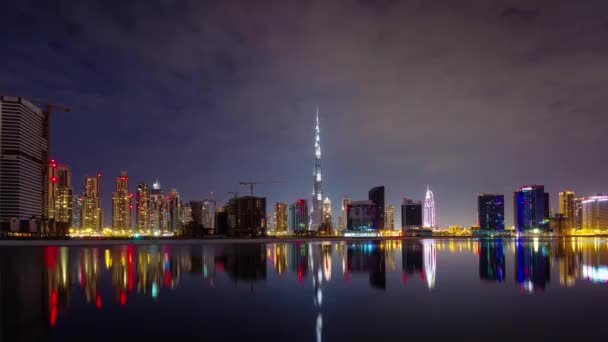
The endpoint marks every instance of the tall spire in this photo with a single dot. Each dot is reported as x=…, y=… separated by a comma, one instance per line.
x=429, y=209
x=316, y=214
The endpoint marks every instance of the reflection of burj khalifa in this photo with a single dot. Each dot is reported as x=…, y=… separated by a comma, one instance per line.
x=316, y=213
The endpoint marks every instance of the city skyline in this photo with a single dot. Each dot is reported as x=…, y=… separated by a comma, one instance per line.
x=411, y=114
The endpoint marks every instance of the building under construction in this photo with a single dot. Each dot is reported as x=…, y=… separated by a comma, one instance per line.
x=246, y=216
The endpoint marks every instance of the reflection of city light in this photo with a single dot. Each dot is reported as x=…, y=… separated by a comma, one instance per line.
x=108, y=258
x=98, y=302
x=430, y=262
x=154, y=290
x=595, y=274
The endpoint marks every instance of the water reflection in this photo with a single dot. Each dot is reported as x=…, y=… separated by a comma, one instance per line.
x=40, y=287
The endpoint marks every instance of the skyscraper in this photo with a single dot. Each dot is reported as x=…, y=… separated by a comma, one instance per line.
x=389, y=217
x=78, y=204
x=246, y=216
x=91, y=210
x=491, y=211
x=298, y=216
x=343, y=215
x=327, y=216
x=567, y=208
x=595, y=213
x=530, y=208
x=316, y=214
x=411, y=215
x=59, y=194
x=376, y=195
x=157, y=209
x=280, y=217
x=121, y=203
x=174, y=210
x=142, y=207
x=362, y=217
x=23, y=157
x=429, y=209
x=578, y=212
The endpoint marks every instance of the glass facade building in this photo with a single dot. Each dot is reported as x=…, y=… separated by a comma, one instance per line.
x=491, y=211
x=361, y=216
x=531, y=208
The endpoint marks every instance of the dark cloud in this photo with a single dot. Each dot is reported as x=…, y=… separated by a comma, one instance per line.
x=467, y=96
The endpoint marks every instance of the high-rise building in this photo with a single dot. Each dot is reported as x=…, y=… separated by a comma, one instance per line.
x=389, y=217
x=246, y=216
x=530, y=208
x=411, y=214
x=206, y=214
x=196, y=212
x=91, y=210
x=327, y=216
x=361, y=217
x=567, y=208
x=280, y=217
x=343, y=214
x=77, y=206
x=186, y=215
x=429, y=209
x=578, y=212
x=298, y=216
x=121, y=203
x=595, y=213
x=316, y=214
x=491, y=211
x=174, y=209
x=158, y=217
x=59, y=194
x=23, y=138
x=142, y=207
x=376, y=195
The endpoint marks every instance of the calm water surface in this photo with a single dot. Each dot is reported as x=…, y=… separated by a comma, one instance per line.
x=308, y=291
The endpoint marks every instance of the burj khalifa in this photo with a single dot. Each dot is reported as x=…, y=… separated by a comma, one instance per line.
x=316, y=213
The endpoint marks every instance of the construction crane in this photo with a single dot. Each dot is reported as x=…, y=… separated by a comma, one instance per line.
x=253, y=184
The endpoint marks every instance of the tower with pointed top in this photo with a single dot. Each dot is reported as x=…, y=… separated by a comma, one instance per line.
x=429, y=209
x=316, y=213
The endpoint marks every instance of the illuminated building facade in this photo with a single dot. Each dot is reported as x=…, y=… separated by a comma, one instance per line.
x=23, y=137
x=91, y=210
x=77, y=206
x=491, y=211
x=298, y=216
x=595, y=213
x=121, y=203
x=327, y=216
x=578, y=212
x=59, y=193
x=376, y=195
x=280, y=217
x=567, y=207
x=186, y=215
x=343, y=215
x=389, y=217
x=142, y=207
x=530, y=208
x=173, y=211
x=361, y=217
x=316, y=214
x=411, y=214
x=158, y=213
x=429, y=209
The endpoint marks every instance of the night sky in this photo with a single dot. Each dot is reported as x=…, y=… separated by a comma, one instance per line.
x=467, y=96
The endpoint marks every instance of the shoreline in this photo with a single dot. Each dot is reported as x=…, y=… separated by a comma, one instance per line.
x=210, y=241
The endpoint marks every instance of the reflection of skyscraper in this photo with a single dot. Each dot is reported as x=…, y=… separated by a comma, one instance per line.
x=411, y=258
x=491, y=260
x=531, y=209
x=491, y=211
x=429, y=260
x=429, y=209
x=245, y=262
x=316, y=213
x=368, y=258
x=376, y=195
x=532, y=264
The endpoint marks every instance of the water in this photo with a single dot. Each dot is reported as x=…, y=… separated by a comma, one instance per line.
x=308, y=291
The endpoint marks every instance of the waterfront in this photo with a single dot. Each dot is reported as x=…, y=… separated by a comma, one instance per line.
x=306, y=290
